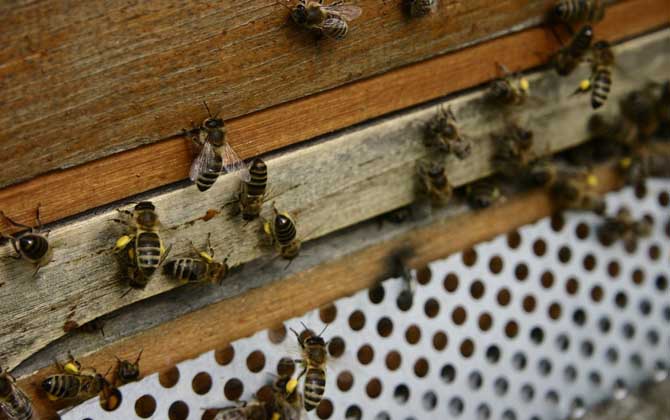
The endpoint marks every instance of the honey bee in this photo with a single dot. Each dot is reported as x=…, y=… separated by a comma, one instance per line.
x=640, y=107
x=542, y=172
x=281, y=231
x=215, y=155
x=314, y=359
x=623, y=227
x=513, y=149
x=251, y=411
x=252, y=193
x=576, y=192
x=141, y=251
x=13, y=402
x=198, y=270
x=638, y=167
x=434, y=182
x=618, y=130
x=600, y=82
x=287, y=401
x=443, y=134
x=418, y=8
x=482, y=194
x=579, y=10
x=74, y=382
x=330, y=20
x=127, y=371
x=31, y=245
x=566, y=60
x=508, y=90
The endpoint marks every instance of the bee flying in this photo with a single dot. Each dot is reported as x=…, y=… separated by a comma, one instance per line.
x=31, y=245
x=566, y=60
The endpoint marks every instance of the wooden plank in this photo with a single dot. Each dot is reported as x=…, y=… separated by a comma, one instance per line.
x=78, y=83
x=75, y=190
x=190, y=335
x=327, y=185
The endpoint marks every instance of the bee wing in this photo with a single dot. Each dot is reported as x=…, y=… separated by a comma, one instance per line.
x=233, y=163
x=204, y=159
x=347, y=12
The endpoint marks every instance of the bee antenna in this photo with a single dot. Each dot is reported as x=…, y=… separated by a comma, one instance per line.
x=303, y=325
x=207, y=108
x=138, y=356
x=285, y=5
x=126, y=292
x=323, y=330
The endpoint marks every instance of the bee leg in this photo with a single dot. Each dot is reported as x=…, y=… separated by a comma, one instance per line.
x=36, y=270
x=209, y=244
x=37, y=217
x=13, y=242
x=167, y=251
x=13, y=223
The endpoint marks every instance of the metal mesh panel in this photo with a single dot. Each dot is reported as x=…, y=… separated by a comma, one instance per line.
x=530, y=325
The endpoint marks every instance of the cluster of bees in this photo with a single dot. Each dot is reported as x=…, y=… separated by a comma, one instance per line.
x=644, y=113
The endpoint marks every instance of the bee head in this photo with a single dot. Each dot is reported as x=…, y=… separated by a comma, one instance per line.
x=561, y=9
x=145, y=205
x=128, y=372
x=5, y=385
x=299, y=14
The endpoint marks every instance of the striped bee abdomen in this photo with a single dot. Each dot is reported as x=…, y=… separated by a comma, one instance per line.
x=601, y=86
x=418, y=8
x=17, y=405
x=577, y=10
x=61, y=386
x=335, y=27
x=284, y=229
x=210, y=174
x=148, y=248
x=259, y=178
x=314, y=388
x=33, y=246
x=582, y=41
x=186, y=269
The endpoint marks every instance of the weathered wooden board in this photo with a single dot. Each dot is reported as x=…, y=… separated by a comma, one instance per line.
x=330, y=184
x=75, y=190
x=357, y=258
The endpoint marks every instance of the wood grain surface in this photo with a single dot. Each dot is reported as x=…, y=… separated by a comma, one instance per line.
x=84, y=79
x=327, y=185
x=75, y=190
x=190, y=335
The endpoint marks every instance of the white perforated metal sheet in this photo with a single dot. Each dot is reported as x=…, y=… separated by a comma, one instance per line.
x=527, y=326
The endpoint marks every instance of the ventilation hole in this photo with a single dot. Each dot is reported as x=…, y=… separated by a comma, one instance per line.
x=613, y=269
x=496, y=264
x=376, y=294
x=513, y=239
x=401, y=394
x=620, y=389
x=477, y=289
x=586, y=348
x=431, y=308
x=579, y=317
x=353, y=413
x=365, y=354
x=325, y=409
x=509, y=414
x=383, y=416
x=467, y=348
x=169, y=378
x=654, y=252
x=373, y=388
x=256, y=361
x=547, y=279
x=456, y=406
x=277, y=335
x=336, y=347
x=544, y=367
x=423, y=275
x=645, y=307
x=666, y=313
x=421, y=367
x=145, y=406
x=285, y=366
x=328, y=313
x=405, y=300
x=459, y=315
x=393, y=360
x=562, y=342
x=652, y=337
x=224, y=356
x=554, y=311
x=570, y=373
x=511, y=329
x=621, y=299
x=519, y=361
x=564, y=254
x=385, y=327
x=475, y=380
x=663, y=198
x=448, y=373
x=597, y=293
x=638, y=277
x=451, y=282
x=345, y=380
x=527, y=392
x=469, y=257
x=630, y=246
x=413, y=334
x=112, y=401
x=595, y=378
x=636, y=360
x=504, y=297
x=589, y=262
x=483, y=412
x=529, y=303
x=493, y=354
x=582, y=230
x=552, y=397
x=500, y=386
x=604, y=325
x=537, y=335
x=485, y=321
x=178, y=411
x=612, y=355
x=201, y=383
x=572, y=286
x=539, y=247
x=640, y=190
x=661, y=283
x=521, y=271
x=357, y=320
x=265, y=394
x=440, y=341
x=429, y=401
x=557, y=222
x=233, y=389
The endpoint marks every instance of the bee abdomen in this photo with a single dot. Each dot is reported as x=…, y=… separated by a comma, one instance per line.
x=33, y=247
x=286, y=233
x=61, y=386
x=576, y=10
x=419, y=8
x=148, y=250
x=315, y=387
x=582, y=41
x=186, y=269
x=601, y=87
x=18, y=406
x=259, y=178
x=210, y=174
x=335, y=27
